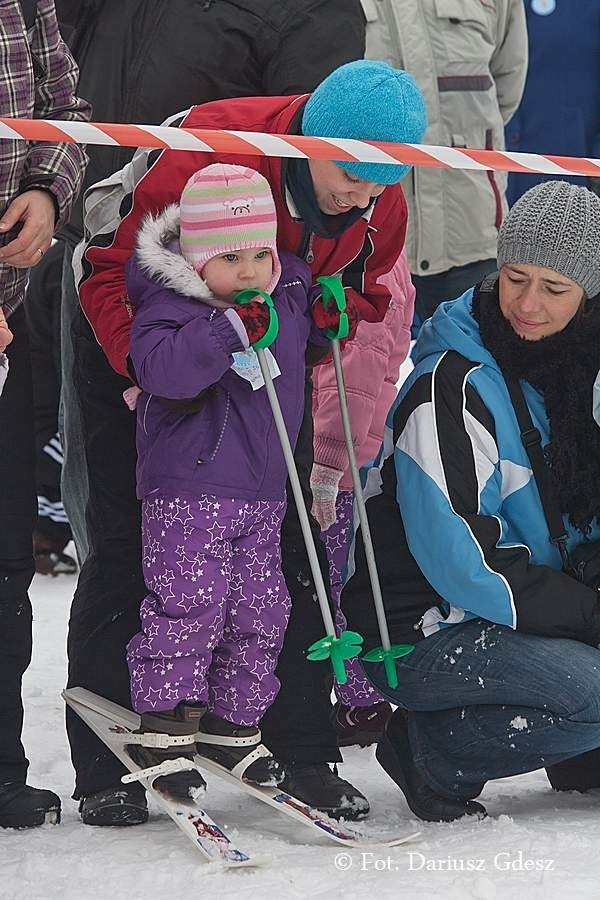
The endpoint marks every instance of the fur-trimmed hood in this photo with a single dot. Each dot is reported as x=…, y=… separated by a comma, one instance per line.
x=159, y=257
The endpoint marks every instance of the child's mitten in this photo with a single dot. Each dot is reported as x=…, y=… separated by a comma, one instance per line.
x=255, y=318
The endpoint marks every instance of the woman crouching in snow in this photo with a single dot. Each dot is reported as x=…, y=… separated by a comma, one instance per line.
x=505, y=674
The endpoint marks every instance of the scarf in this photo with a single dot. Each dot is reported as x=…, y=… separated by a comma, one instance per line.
x=300, y=185
x=563, y=367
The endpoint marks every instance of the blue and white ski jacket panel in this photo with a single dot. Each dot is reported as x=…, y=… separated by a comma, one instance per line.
x=469, y=504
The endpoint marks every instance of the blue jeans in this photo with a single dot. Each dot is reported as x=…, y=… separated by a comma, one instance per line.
x=487, y=702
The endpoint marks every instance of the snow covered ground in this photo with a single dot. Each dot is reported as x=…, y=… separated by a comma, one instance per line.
x=528, y=826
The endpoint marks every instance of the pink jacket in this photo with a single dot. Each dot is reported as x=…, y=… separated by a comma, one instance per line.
x=371, y=363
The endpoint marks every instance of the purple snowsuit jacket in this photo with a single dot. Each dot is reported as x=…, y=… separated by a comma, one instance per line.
x=182, y=346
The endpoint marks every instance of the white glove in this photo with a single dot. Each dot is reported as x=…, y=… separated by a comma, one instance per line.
x=324, y=483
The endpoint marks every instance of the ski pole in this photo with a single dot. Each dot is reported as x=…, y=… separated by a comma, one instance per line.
x=387, y=653
x=329, y=647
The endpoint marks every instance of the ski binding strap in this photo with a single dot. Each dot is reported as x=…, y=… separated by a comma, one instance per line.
x=161, y=741
x=226, y=741
x=168, y=767
x=239, y=769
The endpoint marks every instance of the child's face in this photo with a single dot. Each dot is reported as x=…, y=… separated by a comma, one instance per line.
x=238, y=270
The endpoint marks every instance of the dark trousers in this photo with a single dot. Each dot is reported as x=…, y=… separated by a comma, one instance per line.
x=42, y=309
x=105, y=611
x=18, y=510
x=434, y=289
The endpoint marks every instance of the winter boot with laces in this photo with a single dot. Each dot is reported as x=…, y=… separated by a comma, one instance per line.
x=394, y=754
x=362, y=725
x=238, y=749
x=167, y=736
x=320, y=787
x=22, y=806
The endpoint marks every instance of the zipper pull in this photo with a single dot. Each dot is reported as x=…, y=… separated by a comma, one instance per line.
x=310, y=256
x=418, y=625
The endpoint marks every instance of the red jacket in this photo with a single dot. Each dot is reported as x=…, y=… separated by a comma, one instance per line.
x=365, y=252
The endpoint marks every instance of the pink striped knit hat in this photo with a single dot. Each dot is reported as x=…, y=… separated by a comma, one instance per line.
x=224, y=209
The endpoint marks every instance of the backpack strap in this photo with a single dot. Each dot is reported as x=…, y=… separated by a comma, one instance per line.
x=29, y=12
x=532, y=442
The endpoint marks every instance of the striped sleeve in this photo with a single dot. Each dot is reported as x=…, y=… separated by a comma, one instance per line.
x=450, y=489
x=58, y=166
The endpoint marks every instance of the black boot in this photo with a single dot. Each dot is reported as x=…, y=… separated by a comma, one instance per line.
x=580, y=773
x=22, y=806
x=124, y=804
x=231, y=745
x=49, y=557
x=180, y=722
x=322, y=788
x=362, y=725
x=395, y=756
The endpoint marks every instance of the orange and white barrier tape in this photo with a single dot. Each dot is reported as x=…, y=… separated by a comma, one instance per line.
x=254, y=143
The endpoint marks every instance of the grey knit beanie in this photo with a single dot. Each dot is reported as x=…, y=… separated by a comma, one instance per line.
x=556, y=225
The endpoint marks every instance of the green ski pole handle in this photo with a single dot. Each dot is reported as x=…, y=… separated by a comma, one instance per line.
x=346, y=646
x=334, y=291
x=270, y=334
x=387, y=657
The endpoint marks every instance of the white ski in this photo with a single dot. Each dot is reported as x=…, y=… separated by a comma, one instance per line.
x=277, y=799
x=300, y=812
x=114, y=725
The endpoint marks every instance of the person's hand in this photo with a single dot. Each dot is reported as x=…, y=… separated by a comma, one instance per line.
x=328, y=317
x=130, y=396
x=324, y=483
x=255, y=318
x=35, y=210
x=6, y=334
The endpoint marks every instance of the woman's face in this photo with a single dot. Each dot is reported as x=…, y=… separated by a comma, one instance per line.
x=338, y=191
x=536, y=301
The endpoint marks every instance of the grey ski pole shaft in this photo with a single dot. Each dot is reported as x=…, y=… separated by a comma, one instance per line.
x=359, y=499
x=290, y=462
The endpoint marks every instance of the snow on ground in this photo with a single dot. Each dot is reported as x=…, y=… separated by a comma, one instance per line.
x=528, y=826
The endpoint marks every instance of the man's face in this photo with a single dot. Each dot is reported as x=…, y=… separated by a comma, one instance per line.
x=338, y=191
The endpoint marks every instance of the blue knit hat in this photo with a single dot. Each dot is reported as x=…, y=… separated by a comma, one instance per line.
x=368, y=100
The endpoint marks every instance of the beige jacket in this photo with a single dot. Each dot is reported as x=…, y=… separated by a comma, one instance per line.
x=469, y=58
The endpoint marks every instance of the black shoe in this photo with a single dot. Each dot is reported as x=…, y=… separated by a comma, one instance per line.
x=580, y=773
x=181, y=722
x=322, y=788
x=264, y=771
x=122, y=805
x=22, y=806
x=49, y=557
x=395, y=756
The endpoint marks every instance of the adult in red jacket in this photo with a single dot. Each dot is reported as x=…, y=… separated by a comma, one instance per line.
x=343, y=218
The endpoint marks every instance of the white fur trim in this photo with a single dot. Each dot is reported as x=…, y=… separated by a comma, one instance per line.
x=163, y=265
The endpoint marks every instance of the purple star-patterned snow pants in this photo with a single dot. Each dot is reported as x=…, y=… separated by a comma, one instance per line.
x=214, y=620
x=357, y=691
